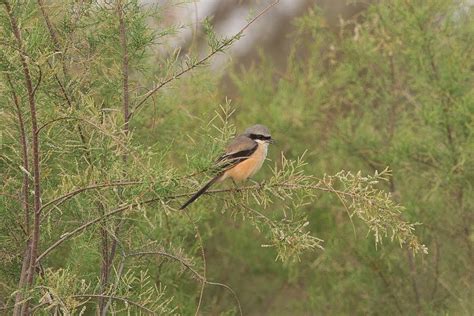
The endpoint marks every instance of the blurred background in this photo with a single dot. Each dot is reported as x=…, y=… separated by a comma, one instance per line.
x=271, y=34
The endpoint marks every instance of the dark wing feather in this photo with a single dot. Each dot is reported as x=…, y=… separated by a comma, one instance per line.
x=237, y=151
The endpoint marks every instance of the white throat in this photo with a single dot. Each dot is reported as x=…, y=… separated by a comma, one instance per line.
x=263, y=145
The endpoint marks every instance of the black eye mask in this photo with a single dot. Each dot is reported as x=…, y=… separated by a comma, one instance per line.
x=261, y=137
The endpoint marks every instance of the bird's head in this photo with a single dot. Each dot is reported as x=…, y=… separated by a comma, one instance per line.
x=259, y=133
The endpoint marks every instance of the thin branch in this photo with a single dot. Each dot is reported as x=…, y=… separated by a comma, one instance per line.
x=61, y=86
x=51, y=30
x=318, y=187
x=202, y=60
x=38, y=82
x=203, y=255
x=91, y=123
x=125, y=70
x=63, y=198
x=118, y=298
x=347, y=210
x=190, y=268
x=436, y=269
x=81, y=134
x=24, y=150
x=167, y=255
x=19, y=307
x=105, y=261
x=79, y=229
x=7, y=307
x=118, y=273
x=378, y=270
x=63, y=118
x=26, y=204
x=414, y=282
x=56, y=120
x=54, y=37
x=236, y=298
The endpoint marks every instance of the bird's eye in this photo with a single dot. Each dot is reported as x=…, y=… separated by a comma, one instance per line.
x=260, y=137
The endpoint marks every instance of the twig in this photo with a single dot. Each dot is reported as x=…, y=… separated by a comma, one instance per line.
x=347, y=210
x=91, y=123
x=7, y=307
x=105, y=260
x=54, y=37
x=51, y=30
x=203, y=255
x=202, y=60
x=125, y=71
x=19, y=307
x=414, y=282
x=63, y=198
x=379, y=272
x=436, y=270
x=190, y=268
x=56, y=120
x=168, y=255
x=24, y=149
x=38, y=82
x=72, y=233
x=119, y=271
x=119, y=298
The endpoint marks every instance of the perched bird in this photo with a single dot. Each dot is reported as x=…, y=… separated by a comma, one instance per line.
x=243, y=157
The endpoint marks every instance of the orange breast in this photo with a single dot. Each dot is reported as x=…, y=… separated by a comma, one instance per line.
x=248, y=167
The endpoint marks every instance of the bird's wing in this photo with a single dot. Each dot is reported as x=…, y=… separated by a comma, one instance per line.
x=238, y=150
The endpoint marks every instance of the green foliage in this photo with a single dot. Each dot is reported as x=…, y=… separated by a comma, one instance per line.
x=110, y=236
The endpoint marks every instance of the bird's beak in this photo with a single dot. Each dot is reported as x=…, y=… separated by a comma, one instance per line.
x=272, y=141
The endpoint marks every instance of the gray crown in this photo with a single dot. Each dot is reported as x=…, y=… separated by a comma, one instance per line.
x=258, y=129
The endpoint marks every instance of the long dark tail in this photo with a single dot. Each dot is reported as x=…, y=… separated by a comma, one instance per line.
x=201, y=191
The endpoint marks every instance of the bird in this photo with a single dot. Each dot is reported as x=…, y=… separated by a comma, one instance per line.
x=243, y=157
